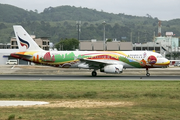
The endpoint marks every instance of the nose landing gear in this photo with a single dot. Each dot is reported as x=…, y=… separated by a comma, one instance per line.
x=147, y=72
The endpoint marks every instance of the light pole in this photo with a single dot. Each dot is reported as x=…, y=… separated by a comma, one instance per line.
x=104, y=36
x=78, y=23
x=138, y=37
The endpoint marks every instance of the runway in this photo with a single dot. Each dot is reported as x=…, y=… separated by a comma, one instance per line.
x=86, y=77
x=20, y=72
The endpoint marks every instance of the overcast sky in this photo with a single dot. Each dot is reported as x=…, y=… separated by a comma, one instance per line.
x=162, y=9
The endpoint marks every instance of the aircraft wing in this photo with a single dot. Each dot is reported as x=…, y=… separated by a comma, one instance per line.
x=95, y=63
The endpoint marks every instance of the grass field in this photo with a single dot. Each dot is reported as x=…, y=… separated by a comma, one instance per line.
x=150, y=100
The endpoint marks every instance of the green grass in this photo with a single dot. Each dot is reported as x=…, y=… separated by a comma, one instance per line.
x=153, y=100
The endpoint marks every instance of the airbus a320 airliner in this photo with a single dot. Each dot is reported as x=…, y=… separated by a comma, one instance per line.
x=106, y=61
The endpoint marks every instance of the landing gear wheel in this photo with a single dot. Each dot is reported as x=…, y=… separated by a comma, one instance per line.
x=94, y=73
x=147, y=74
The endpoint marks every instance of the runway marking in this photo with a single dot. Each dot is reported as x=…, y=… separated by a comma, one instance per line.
x=21, y=103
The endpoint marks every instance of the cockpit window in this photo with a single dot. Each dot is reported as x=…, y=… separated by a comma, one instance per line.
x=159, y=56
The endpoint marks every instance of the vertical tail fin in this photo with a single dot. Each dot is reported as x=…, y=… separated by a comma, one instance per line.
x=24, y=40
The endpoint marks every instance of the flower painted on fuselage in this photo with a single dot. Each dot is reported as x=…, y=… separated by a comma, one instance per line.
x=143, y=63
x=152, y=59
x=24, y=43
x=47, y=57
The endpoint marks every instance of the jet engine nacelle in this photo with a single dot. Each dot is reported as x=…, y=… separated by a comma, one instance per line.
x=114, y=69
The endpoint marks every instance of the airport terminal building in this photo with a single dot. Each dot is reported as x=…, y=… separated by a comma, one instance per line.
x=109, y=46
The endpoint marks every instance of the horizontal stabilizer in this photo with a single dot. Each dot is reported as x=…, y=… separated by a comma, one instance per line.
x=22, y=56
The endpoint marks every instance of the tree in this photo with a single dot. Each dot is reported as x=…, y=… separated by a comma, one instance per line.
x=149, y=16
x=36, y=11
x=109, y=40
x=67, y=44
x=3, y=26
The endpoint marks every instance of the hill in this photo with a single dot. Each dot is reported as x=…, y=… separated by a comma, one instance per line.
x=62, y=13
x=12, y=14
x=60, y=22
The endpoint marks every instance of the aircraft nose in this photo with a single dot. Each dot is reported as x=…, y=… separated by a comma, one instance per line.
x=167, y=62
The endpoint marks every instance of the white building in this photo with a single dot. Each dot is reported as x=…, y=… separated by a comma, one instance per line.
x=170, y=43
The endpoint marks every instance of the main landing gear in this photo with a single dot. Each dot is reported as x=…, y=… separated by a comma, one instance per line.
x=94, y=73
x=147, y=72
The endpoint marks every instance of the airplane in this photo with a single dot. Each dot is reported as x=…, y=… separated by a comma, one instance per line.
x=113, y=62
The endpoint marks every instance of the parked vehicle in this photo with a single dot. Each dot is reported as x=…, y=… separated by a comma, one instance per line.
x=12, y=62
x=178, y=65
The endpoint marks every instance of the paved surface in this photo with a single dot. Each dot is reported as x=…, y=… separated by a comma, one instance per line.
x=21, y=103
x=85, y=77
x=52, y=73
